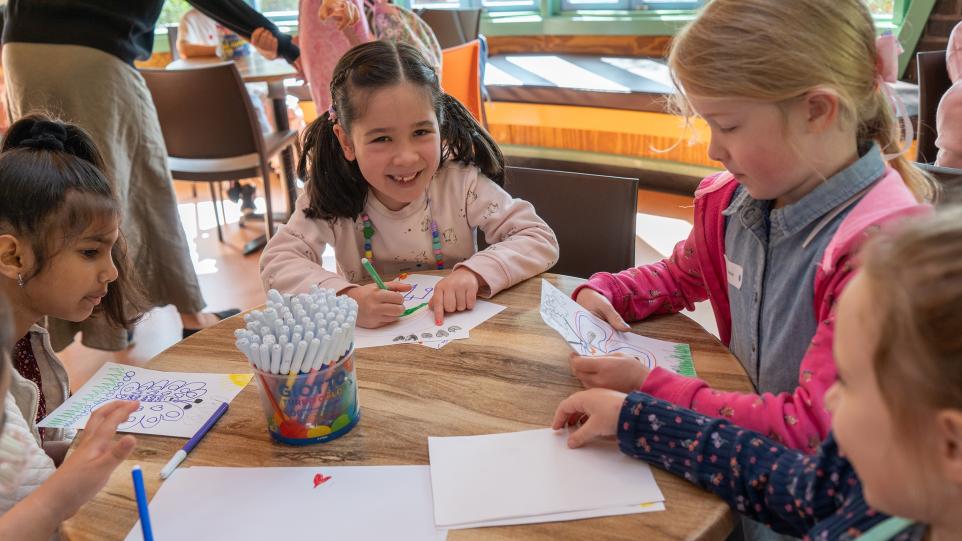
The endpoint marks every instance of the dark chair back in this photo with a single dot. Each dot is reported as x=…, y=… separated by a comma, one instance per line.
x=205, y=112
x=593, y=216
x=452, y=26
x=933, y=82
x=172, y=30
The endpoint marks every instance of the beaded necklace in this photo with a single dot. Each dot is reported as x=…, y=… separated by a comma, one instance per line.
x=435, y=239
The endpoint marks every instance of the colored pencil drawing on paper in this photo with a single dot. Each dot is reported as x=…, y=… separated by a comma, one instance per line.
x=589, y=335
x=171, y=403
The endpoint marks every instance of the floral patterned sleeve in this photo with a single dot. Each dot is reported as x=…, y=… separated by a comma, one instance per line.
x=815, y=496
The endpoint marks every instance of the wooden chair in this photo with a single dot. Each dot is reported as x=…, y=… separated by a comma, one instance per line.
x=461, y=76
x=593, y=216
x=211, y=130
x=452, y=27
x=933, y=82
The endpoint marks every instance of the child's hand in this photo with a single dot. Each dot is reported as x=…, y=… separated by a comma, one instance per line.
x=265, y=43
x=87, y=469
x=597, y=304
x=619, y=372
x=377, y=307
x=343, y=13
x=601, y=407
x=456, y=292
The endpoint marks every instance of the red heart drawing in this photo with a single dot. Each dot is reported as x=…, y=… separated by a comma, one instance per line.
x=320, y=479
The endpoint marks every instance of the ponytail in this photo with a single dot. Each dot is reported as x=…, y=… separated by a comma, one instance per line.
x=465, y=141
x=335, y=186
x=879, y=124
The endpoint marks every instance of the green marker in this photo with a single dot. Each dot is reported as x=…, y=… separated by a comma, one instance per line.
x=370, y=270
x=413, y=309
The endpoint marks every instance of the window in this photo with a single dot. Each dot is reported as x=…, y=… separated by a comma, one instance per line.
x=883, y=8
x=487, y=5
x=172, y=12
x=625, y=5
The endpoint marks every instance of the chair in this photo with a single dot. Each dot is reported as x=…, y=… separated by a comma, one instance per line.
x=211, y=130
x=933, y=82
x=461, y=76
x=452, y=27
x=593, y=216
x=172, y=30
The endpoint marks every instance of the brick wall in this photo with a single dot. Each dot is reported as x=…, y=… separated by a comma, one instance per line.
x=945, y=15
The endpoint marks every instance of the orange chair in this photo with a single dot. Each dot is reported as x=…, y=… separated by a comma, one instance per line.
x=461, y=76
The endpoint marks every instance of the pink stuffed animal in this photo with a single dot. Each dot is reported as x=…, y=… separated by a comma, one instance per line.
x=948, y=121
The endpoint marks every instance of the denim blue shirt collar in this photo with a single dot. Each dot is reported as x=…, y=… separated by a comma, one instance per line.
x=839, y=188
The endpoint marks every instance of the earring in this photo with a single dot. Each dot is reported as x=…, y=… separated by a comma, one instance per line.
x=19, y=279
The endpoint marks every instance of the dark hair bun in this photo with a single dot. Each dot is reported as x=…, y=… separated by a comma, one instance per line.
x=45, y=135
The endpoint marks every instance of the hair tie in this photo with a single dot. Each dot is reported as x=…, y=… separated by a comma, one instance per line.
x=887, y=53
x=332, y=114
x=46, y=135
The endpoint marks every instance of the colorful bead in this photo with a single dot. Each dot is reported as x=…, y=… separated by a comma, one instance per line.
x=435, y=241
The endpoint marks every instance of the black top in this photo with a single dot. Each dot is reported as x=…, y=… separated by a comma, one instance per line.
x=123, y=28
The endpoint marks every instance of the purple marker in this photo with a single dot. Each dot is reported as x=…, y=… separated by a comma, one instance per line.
x=180, y=455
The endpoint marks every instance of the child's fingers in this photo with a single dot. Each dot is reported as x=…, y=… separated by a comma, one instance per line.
x=386, y=296
x=437, y=304
x=609, y=314
x=122, y=448
x=120, y=411
x=472, y=298
x=568, y=407
x=461, y=300
x=398, y=286
x=583, y=366
x=450, y=302
x=583, y=435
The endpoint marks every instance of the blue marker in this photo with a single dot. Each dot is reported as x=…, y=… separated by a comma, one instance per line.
x=142, y=503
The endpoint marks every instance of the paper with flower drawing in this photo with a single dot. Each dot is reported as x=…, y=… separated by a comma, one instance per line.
x=589, y=335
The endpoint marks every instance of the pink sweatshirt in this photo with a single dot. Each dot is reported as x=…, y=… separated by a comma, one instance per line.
x=696, y=271
x=459, y=199
x=948, y=119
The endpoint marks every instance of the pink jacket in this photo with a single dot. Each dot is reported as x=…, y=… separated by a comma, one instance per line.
x=696, y=271
x=460, y=199
x=948, y=120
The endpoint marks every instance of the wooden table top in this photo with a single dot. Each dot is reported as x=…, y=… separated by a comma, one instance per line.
x=509, y=376
x=253, y=68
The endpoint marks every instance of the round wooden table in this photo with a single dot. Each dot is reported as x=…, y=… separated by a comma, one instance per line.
x=509, y=376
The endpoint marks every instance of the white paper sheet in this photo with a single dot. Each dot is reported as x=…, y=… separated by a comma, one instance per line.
x=589, y=335
x=171, y=403
x=561, y=517
x=530, y=473
x=422, y=321
x=257, y=504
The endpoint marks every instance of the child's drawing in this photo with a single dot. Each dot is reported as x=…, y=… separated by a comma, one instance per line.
x=171, y=403
x=589, y=335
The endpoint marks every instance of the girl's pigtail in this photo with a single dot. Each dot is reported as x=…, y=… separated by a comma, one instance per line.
x=465, y=141
x=882, y=127
x=335, y=186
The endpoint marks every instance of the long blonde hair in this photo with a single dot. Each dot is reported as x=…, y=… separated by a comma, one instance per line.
x=777, y=50
x=916, y=278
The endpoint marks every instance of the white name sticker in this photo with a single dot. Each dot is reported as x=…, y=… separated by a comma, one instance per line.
x=734, y=271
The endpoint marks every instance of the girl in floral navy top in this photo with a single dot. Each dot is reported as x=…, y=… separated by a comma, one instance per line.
x=896, y=441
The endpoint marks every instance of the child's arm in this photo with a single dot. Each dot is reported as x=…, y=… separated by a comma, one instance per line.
x=799, y=419
x=522, y=244
x=788, y=490
x=291, y=262
x=78, y=480
x=668, y=286
x=239, y=17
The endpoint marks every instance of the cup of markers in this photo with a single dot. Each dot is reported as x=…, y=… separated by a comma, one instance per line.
x=302, y=349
